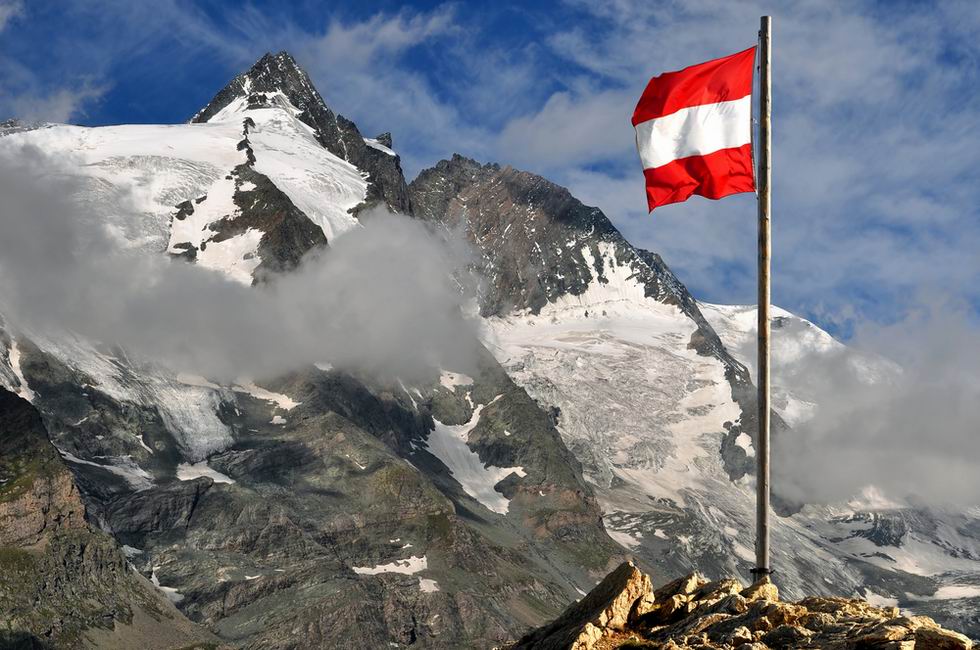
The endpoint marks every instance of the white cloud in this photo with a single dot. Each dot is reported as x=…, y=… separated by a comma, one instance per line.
x=569, y=127
x=24, y=95
x=9, y=9
x=61, y=105
x=873, y=123
x=911, y=434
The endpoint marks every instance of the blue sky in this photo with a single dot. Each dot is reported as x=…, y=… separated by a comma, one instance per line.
x=876, y=112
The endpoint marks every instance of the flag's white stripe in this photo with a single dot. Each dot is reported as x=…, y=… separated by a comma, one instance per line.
x=695, y=131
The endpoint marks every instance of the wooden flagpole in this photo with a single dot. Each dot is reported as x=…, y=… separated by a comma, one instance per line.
x=764, y=177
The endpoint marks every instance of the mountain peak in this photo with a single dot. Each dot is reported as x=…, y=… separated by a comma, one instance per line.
x=280, y=70
x=271, y=75
x=276, y=80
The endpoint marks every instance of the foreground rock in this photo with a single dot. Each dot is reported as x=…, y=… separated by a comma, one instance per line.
x=623, y=611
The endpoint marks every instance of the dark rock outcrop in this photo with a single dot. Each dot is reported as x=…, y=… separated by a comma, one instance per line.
x=620, y=598
x=157, y=509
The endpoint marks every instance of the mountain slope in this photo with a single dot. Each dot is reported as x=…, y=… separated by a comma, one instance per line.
x=65, y=583
x=655, y=407
x=320, y=508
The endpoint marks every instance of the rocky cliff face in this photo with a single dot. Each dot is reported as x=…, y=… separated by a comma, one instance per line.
x=63, y=583
x=38, y=496
x=538, y=246
x=624, y=612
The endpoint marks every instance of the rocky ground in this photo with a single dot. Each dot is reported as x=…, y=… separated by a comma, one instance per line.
x=625, y=612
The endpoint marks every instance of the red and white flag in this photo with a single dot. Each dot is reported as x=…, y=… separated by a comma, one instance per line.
x=694, y=131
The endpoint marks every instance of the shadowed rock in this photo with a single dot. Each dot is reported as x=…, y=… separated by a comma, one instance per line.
x=64, y=584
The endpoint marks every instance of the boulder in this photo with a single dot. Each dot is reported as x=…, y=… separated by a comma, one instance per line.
x=786, y=636
x=761, y=589
x=691, y=613
x=606, y=608
x=935, y=638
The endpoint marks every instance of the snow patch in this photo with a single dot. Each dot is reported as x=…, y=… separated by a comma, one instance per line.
x=428, y=586
x=374, y=144
x=744, y=441
x=624, y=539
x=22, y=389
x=123, y=466
x=953, y=592
x=284, y=402
x=407, y=566
x=171, y=593
x=131, y=551
x=189, y=472
x=196, y=380
x=877, y=600
x=448, y=443
x=451, y=380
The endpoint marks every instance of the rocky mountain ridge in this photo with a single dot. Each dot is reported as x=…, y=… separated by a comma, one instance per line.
x=277, y=77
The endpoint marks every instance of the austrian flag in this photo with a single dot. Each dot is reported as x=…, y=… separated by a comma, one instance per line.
x=694, y=131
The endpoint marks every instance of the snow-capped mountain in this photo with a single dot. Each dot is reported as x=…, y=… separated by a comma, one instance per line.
x=319, y=508
x=327, y=509
x=652, y=392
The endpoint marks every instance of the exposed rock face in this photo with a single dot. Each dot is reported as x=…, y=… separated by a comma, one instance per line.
x=692, y=612
x=38, y=497
x=616, y=600
x=62, y=583
x=538, y=243
x=279, y=73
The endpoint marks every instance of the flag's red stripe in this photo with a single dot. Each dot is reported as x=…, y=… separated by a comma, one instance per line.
x=718, y=174
x=720, y=80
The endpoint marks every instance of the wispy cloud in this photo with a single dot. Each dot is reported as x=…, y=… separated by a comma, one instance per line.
x=9, y=9
x=911, y=434
x=872, y=157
